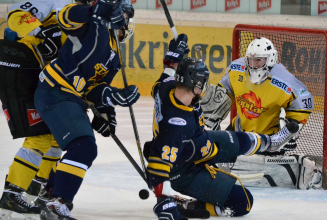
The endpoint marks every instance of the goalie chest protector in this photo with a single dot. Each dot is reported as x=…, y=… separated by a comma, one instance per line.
x=19, y=73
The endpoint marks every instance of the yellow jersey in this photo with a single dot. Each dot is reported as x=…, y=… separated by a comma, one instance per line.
x=258, y=105
x=25, y=18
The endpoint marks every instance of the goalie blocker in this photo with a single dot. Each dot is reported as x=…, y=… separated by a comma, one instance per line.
x=19, y=72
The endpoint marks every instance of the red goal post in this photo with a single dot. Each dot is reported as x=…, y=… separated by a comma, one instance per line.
x=304, y=53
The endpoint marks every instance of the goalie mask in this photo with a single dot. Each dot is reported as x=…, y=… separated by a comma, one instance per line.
x=193, y=73
x=260, y=57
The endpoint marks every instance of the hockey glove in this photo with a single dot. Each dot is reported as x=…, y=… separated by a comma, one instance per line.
x=122, y=97
x=166, y=208
x=52, y=41
x=111, y=11
x=177, y=49
x=101, y=125
x=109, y=113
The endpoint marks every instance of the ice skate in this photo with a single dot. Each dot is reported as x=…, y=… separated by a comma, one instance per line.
x=57, y=209
x=280, y=139
x=191, y=208
x=34, y=189
x=12, y=201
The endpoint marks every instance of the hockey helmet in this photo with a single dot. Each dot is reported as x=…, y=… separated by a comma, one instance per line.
x=85, y=2
x=193, y=73
x=260, y=57
x=128, y=10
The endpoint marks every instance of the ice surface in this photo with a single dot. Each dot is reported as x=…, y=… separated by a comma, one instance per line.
x=111, y=186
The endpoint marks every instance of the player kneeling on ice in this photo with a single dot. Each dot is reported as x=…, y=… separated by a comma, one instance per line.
x=267, y=96
x=182, y=152
x=82, y=73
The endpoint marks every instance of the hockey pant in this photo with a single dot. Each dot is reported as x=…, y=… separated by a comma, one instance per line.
x=35, y=158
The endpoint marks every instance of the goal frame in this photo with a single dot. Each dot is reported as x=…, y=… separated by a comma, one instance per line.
x=294, y=31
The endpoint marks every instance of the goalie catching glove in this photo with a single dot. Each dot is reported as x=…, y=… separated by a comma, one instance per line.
x=216, y=105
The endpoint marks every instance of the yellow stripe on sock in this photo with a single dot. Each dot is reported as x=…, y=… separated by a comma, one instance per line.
x=211, y=208
x=71, y=169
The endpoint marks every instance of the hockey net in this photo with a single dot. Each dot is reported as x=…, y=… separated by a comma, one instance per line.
x=303, y=52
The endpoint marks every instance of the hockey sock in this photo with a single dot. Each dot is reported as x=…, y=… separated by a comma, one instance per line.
x=50, y=183
x=72, y=168
x=237, y=203
x=251, y=143
x=25, y=166
x=48, y=161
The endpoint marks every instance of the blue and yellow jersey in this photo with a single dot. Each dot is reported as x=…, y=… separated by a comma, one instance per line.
x=179, y=138
x=86, y=59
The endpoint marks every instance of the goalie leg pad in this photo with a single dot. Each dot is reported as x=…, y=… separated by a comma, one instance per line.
x=309, y=173
x=281, y=171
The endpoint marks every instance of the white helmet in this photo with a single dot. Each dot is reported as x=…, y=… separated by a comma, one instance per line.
x=260, y=48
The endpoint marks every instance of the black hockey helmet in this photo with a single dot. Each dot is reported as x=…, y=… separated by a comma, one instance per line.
x=193, y=73
x=128, y=30
x=128, y=8
x=85, y=2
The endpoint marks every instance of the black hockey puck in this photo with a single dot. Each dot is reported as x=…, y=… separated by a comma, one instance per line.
x=144, y=194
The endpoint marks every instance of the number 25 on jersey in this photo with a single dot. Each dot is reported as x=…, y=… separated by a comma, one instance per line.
x=169, y=154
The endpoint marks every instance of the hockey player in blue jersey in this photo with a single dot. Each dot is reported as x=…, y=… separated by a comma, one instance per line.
x=182, y=151
x=82, y=73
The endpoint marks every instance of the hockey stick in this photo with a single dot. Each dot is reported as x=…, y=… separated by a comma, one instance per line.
x=138, y=143
x=198, y=52
x=170, y=21
x=120, y=145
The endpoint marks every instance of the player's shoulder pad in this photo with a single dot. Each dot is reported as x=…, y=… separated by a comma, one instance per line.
x=283, y=79
x=237, y=65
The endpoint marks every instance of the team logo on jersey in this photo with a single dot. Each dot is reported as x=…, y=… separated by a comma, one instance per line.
x=303, y=92
x=177, y=121
x=100, y=72
x=198, y=3
x=250, y=105
x=33, y=117
x=27, y=18
x=279, y=83
x=237, y=67
x=263, y=5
